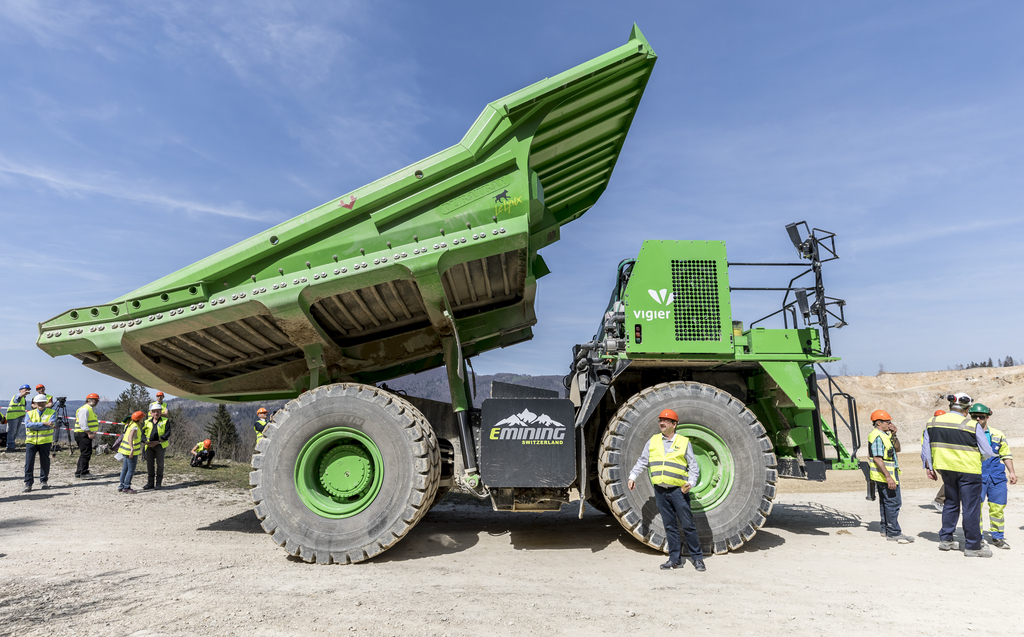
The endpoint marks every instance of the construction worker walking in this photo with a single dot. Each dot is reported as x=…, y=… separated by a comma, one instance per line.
x=39, y=428
x=883, y=445
x=673, y=472
x=993, y=475
x=261, y=423
x=955, y=444
x=86, y=426
x=156, y=432
x=16, y=411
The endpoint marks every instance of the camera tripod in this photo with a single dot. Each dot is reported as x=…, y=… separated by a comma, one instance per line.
x=61, y=423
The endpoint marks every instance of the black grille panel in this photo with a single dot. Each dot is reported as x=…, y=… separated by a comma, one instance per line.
x=695, y=302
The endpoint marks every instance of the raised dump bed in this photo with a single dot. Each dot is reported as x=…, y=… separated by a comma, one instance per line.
x=439, y=258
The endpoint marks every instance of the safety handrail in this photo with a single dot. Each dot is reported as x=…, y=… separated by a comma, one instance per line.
x=851, y=422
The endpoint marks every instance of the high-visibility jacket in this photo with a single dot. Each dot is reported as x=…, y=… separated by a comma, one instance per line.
x=17, y=407
x=993, y=467
x=668, y=468
x=954, y=443
x=888, y=458
x=135, y=448
x=86, y=420
x=38, y=436
x=199, y=448
x=161, y=430
x=259, y=427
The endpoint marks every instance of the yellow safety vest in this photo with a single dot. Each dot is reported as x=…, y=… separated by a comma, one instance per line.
x=954, y=443
x=259, y=433
x=17, y=407
x=135, y=448
x=888, y=458
x=39, y=436
x=87, y=421
x=198, y=448
x=668, y=469
x=161, y=429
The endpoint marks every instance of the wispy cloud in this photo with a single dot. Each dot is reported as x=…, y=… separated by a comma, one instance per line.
x=111, y=186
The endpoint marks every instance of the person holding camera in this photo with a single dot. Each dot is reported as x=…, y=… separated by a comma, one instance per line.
x=39, y=428
x=883, y=445
x=86, y=426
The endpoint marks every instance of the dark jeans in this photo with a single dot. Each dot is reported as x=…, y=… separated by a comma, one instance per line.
x=203, y=456
x=962, y=490
x=889, y=503
x=15, y=429
x=44, y=462
x=155, y=455
x=674, y=506
x=84, y=452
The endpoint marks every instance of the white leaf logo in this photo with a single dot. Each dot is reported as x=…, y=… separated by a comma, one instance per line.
x=659, y=296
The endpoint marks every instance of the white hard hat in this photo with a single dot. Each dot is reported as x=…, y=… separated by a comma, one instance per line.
x=40, y=398
x=961, y=399
x=156, y=407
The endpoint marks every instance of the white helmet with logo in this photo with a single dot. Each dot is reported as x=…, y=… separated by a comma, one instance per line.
x=960, y=399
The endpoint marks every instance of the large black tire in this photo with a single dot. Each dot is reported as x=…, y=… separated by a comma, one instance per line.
x=595, y=497
x=412, y=469
x=740, y=511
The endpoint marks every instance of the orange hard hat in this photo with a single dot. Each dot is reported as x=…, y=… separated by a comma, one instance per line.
x=206, y=444
x=879, y=414
x=138, y=415
x=40, y=386
x=95, y=396
x=668, y=413
x=159, y=393
x=261, y=410
x=939, y=412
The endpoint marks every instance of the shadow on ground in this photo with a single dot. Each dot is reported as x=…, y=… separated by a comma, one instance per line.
x=18, y=523
x=244, y=522
x=810, y=519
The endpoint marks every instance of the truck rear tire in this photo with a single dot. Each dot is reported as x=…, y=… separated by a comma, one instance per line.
x=738, y=469
x=344, y=472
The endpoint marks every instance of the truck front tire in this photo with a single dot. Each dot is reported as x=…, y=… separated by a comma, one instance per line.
x=738, y=474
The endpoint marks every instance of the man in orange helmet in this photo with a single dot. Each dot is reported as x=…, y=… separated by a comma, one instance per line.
x=202, y=452
x=673, y=472
x=261, y=423
x=86, y=426
x=883, y=445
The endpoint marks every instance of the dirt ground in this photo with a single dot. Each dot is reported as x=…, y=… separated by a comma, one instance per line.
x=80, y=559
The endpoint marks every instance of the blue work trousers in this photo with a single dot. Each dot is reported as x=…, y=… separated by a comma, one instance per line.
x=889, y=503
x=963, y=490
x=127, y=471
x=674, y=506
x=15, y=429
x=31, y=451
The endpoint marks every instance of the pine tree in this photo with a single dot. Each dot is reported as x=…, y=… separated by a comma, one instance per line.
x=1008, y=362
x=221, y=431
x=131, y=400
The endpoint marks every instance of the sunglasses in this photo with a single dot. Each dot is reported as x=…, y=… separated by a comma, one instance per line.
x=980, y=417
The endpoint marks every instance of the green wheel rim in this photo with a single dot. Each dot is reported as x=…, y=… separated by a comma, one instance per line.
x=717, y=468
x=338, y=472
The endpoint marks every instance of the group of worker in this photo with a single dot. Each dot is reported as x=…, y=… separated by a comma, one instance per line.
x=971, y=457
x=144, y=434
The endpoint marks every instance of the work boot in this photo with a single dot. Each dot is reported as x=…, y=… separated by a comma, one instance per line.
x=670, y=565
x=699, y=565
x=147, y=487
x=902, y=539
x=949, y=545
x=1000, y=543
x=984, y=551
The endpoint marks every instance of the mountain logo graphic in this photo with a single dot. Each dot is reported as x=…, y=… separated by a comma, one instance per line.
x=527, y=418
x=660, y=298
x=529, y=428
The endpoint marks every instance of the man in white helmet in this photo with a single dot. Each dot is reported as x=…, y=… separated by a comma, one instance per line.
x=955, y=444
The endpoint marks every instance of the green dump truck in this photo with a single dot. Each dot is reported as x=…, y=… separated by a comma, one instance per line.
x=439, y=262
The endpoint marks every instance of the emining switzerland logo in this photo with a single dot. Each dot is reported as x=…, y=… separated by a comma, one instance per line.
x=529, y=428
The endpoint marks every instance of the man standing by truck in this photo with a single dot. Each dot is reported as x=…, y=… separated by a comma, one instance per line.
x=883, y=445
x=674, y=472
x=955, y=444
x=993, y=475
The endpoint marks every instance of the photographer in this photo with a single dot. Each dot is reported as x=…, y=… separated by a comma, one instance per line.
x=86, y=426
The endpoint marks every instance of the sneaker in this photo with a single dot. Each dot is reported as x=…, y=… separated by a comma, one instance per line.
x=1000, y=543
x=120, y=489
x=670, y=565
x=28, y=487
x=949, y=545
x=129, y=490
x=902, y=539
x=984, y=551
x=699, y=566
x=78, y=475
x=938, y=506
x=44, y=486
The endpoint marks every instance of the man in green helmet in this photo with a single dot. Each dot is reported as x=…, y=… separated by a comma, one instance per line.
x=994, y=476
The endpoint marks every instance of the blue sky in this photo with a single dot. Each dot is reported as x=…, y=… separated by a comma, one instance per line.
x=137, y=138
